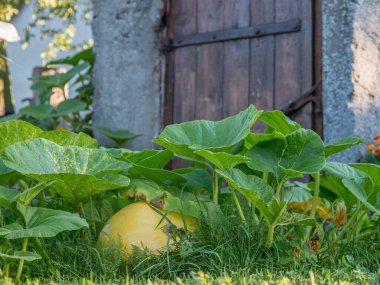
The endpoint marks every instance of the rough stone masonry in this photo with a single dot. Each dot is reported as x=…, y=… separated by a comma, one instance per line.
x=127, y=72
x=351, y=71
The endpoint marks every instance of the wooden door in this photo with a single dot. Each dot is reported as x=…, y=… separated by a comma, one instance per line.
x=223, y=55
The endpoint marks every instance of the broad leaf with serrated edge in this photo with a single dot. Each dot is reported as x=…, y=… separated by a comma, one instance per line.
x=12, y=132
x=41, y=222
x=65, y=138
x=222, y=160
x=304, y=152
x=221, y=136
x=252, y=187
x=341, y=145
x=279, y=122
x=78, y=172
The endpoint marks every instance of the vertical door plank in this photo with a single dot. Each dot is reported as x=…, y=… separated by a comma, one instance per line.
x=209, y=97
x=287, y=57
x=184, y=15
x=306, y=68
x=169, y=70
x=262, y=59
x=236, y=59
x=317, y=65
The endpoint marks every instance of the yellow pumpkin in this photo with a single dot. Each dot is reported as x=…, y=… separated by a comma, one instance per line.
x=138, y=225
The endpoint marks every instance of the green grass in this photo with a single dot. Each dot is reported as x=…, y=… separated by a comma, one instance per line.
x=200, y=278
x=226, y=251
x=230, y=255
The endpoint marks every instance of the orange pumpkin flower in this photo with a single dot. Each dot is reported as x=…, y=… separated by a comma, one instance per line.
x=340, y=217
x=377, y=151
x=377, y=137
x=305, y=208
x=315, y=244
x=370, y=147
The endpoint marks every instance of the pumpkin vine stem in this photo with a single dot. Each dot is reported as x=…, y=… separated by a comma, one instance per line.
x=21, y=263
x=237, y=203
x=215, y=188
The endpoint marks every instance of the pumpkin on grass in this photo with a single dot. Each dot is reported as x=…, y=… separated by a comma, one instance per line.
x=140, y=225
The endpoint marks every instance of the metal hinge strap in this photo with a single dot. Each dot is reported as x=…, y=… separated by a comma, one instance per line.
x=255, y=31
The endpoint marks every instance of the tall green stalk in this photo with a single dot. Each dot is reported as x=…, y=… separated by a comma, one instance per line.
x=279, y=188
x=349, y=223
x=269, y=241
x=6, y=269
x=21, y=263
x=314, y=206
x=316, y=195
x=92, y=213
x=237, y=203
x=215, y=192
x=265, y=177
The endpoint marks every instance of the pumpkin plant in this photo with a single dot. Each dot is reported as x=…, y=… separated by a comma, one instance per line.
x=358, y=188
x=79, y=168
x=208, y=143
x=33, y=222
x=284, y=152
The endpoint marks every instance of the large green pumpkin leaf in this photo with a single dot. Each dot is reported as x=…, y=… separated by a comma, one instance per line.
x=341, y=145
x=253, y=187
x=9, y=196
x=195, y=177
x=150, y=158
x=78, y=187
x=118, y=136
x=7, y=175
x=157, y=174
x=222, y=160
x=78, y=172
x=265, y=156
x=41, y=222
x=254, y=138
x=342, y=170
x=332, y=179
x=12, y=132
x=65, y=138
x=41, y=156
x=362, y=193
x=163, y=198
x=218, y=136
x=149, y=164
x=372, y=170
x=279, y=122
x=304, y=152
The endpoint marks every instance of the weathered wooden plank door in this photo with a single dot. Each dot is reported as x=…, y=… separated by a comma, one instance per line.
x=223, y=55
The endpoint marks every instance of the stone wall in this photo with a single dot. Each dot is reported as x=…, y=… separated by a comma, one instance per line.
x=351, y=71
x=128, y=68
